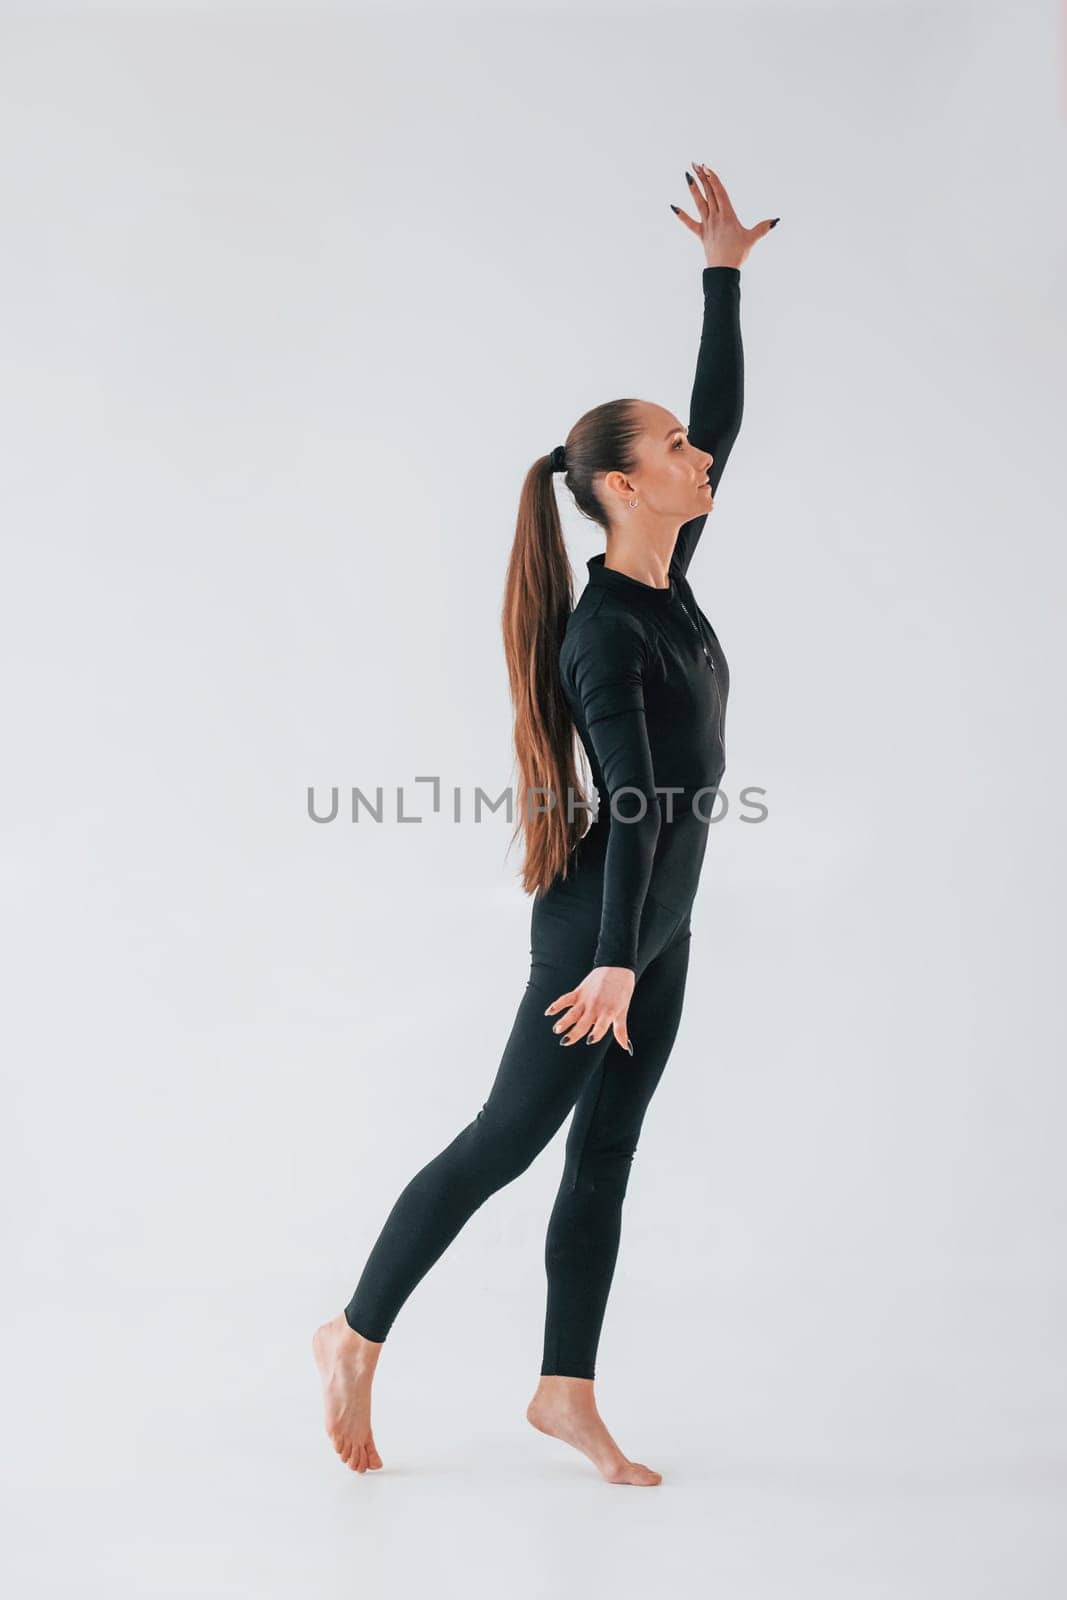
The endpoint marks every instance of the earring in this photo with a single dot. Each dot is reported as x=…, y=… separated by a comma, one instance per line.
x=633, y=503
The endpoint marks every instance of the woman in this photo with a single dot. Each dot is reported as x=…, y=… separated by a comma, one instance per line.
x=637, y=671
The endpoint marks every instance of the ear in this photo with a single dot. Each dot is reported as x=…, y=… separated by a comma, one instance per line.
x=616, y=482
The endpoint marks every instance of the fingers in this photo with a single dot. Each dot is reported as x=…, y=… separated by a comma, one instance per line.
x=722, y=199
x=579, y=1016
x=707, y=192
x=683, y=216
x=575, y=1021
x=573, y=1024
x=578, y=1021
x=567, y=999
x=699, y=191
x=762, y=228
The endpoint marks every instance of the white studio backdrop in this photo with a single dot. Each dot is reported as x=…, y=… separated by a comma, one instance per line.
x=293, y=300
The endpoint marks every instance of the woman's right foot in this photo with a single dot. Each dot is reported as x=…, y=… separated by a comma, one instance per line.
x=346, y=1363
x=566, y=1409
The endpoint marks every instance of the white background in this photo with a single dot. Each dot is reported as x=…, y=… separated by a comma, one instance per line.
x=292, y=303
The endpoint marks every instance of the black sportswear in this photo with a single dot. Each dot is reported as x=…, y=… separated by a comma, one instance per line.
x=648, y=686
x=647, y=682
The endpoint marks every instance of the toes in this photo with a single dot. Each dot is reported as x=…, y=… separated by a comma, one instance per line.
x=359, y=1455
x=636, y=1474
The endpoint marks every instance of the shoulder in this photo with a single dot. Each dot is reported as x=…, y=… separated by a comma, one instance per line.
x=604, y=630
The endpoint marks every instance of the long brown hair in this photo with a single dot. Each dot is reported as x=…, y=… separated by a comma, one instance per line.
x=538, y=599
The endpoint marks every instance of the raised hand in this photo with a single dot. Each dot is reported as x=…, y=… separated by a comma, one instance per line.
x=726, y=240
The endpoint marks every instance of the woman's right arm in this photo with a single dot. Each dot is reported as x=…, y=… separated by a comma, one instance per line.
x=717, y=400
x=717, y=403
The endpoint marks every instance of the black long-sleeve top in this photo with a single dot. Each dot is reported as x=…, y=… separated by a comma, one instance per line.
x=647, y=682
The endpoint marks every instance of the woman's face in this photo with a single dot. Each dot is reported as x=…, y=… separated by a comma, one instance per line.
x=671, y=476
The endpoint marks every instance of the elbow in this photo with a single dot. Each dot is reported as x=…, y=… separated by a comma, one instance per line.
x=635, y=807
x=640, y=815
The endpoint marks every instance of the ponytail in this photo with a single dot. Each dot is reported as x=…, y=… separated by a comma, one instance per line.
x=538, y=597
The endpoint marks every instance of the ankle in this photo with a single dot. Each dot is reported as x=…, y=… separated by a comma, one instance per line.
x=554, y=1386
x=356, y=1347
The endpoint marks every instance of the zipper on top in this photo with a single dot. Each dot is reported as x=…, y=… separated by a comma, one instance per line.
x=696, y=630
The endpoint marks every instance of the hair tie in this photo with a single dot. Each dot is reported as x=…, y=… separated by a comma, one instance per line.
x=559, y=459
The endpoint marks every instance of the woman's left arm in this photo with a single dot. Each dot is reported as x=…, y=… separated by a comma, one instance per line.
x=718, y=398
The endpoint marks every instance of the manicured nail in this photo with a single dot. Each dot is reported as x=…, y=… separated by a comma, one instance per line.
x=674, y=208
x=776, y=221
x=690, y=180
x=564, y=1041
x=630, y=1047
x=589, y=1038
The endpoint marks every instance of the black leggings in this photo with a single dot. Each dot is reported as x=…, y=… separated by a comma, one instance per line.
x=536, y=1085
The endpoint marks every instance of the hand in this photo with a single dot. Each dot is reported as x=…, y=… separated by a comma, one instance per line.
x=600, y=1002
x=726, y=241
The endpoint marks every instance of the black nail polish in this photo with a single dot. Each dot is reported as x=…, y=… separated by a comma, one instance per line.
x=589, y=1038
x=776, y=221
x=690, y=180
x=563, y=1041
x=630, y=1047
x=674, y=208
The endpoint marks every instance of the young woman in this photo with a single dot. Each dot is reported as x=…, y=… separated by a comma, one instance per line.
x=636, y=670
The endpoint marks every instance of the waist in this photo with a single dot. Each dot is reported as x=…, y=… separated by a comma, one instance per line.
x=676, y=862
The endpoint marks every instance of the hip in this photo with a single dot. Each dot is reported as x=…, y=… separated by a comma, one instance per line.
x=677, y=864
x=565, y=924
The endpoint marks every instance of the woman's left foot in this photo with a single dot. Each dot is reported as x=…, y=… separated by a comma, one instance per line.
x=566, y=1409
x=346, y=1363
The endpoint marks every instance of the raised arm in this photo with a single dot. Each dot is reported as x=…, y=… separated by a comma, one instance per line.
x=718, y=390
x=608, y=674
x=717, y=401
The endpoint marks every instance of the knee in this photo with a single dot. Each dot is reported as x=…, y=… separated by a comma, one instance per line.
x=606, y=1170
x=502, y=1150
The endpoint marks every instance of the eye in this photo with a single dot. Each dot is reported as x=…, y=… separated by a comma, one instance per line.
x=679, y=442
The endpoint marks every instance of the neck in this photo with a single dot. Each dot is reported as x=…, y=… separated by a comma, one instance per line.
x=644, y=555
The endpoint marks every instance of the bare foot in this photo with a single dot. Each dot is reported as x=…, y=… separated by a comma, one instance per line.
x=346, y=1363
x=566, y=1409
